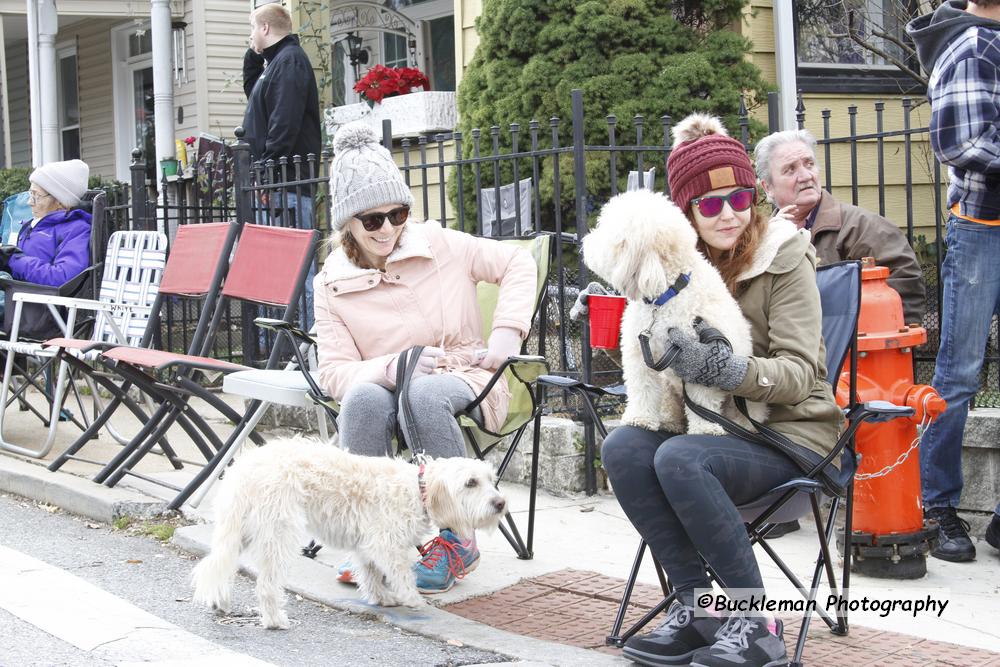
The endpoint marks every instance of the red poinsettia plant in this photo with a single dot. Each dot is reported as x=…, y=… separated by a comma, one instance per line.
x=381, y=82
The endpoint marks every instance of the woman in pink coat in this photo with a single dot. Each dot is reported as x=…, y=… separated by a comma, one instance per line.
x=393, y=283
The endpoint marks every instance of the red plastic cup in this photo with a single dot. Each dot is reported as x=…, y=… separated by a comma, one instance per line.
x=605, y=320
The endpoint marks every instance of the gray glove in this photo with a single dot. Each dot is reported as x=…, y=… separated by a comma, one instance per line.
x=580, y=308
x=711, y=363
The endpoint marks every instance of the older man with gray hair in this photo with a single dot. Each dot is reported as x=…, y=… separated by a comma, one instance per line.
x=786, y=167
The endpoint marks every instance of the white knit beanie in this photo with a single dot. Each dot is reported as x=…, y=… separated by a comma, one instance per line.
x=364, y=175
x=66, y=181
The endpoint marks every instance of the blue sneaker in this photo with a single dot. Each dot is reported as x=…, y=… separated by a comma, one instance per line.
x=444, y=562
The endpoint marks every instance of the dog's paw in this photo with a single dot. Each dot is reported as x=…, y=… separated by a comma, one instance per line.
x=640, y=422
x=416, y=601
x=279, y=621
x=705, y=428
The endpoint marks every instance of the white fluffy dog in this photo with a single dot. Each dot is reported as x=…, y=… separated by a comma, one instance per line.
x=641, y=245
x=376, y=506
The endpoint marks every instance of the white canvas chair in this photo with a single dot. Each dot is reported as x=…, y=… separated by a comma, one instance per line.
x=132, y=268
x=648, y=177
x=509, y=194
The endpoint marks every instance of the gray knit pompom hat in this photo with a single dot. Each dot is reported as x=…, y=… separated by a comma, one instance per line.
x=363, y=175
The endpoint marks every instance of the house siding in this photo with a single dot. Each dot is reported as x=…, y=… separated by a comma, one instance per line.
x=17, y=90
x=227, y=28
x=96, y=88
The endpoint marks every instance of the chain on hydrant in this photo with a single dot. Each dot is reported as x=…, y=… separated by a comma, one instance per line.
x=889, y=536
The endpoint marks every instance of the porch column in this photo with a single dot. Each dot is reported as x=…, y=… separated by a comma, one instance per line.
x=784, y=55
x=48, y=27
x=163, y=84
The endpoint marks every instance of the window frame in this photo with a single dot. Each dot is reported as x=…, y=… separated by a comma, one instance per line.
x=837, y=77
x=63, y=51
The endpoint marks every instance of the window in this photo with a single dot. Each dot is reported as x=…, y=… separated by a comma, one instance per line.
x=436, y=40
x=395, y=51
x=828, y=57
x=132, y=55
x=69, y=104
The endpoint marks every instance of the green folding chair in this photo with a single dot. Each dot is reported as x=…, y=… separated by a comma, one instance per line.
x=290, y=386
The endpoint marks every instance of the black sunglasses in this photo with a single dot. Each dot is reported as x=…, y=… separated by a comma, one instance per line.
x=373, y=222
x=739, y=200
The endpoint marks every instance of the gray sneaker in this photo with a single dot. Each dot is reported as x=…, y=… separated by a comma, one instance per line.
x=744, y=641
x=675, y=640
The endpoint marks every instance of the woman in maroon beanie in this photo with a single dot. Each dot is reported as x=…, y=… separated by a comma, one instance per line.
x=681, y=491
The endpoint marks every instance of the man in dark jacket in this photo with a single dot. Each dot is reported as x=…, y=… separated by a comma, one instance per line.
x=282, y=117
x=959, y=45
x=786, y=167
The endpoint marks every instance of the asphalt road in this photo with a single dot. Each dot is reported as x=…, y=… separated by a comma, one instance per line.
x=153, y=576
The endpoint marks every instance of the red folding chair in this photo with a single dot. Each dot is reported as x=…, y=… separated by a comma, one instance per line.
x=287, y=254
x=196, y=266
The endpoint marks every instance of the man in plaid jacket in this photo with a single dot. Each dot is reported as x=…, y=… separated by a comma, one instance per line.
x=959, y=44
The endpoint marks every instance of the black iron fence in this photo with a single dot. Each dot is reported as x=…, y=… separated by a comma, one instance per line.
x=544, y=177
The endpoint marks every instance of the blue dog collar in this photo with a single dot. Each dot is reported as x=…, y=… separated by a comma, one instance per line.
x=681, y=283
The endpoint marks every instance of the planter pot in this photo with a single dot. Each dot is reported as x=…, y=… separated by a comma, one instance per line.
x=168, y=167
x=413, y=114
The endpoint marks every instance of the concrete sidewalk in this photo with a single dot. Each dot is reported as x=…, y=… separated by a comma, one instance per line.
x=580, y=542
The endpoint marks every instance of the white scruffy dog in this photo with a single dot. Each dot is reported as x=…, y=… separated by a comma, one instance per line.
x=378, y=507
x=641, y=245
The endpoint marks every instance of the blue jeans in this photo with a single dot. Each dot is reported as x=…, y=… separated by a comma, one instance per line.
x=970, y=278
x=301, y=218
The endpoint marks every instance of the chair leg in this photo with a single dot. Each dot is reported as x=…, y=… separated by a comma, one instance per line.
x=532, y=492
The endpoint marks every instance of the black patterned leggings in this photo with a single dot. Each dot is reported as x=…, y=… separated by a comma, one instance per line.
x=681, y=491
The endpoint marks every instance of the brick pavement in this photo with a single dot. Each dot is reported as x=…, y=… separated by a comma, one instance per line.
x=577, y=607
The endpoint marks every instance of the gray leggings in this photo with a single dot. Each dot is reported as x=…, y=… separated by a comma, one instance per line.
x=367, y=420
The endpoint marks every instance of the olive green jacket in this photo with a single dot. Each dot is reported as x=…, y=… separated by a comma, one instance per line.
x=779, y=297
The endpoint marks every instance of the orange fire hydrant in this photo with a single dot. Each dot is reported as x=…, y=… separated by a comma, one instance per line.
x=889, y=537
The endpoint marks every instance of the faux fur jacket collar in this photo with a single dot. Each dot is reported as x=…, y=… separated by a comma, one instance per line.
x=412, y=243
x=781, y=249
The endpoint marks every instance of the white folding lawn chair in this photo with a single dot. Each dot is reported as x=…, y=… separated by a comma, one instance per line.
x=132, y=268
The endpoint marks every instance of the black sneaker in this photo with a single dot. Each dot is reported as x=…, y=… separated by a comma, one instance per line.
x=993, y=532
x=675, y=640
x=953, y=536
x=744, y=641
x=782, y=529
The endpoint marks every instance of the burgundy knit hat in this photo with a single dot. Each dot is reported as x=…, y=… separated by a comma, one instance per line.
x=705, y=158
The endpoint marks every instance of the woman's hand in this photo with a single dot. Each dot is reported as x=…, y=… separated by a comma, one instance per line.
x=786, y=213
x=580, y=307
x=426, y=364
x=504, y=342
x=710, y=364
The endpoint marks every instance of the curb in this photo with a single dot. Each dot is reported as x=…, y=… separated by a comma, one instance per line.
x=74, y=494
x=318, y=582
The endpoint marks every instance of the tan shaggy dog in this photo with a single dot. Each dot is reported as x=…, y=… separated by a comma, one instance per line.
x=378, y=507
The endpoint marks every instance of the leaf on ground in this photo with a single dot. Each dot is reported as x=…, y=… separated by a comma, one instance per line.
x=92, y=526
x=455, y=642
x=51, y=509
x=133, y=561
x=587, y=508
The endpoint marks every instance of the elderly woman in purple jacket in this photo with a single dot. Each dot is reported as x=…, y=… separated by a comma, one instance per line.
x=54, y=245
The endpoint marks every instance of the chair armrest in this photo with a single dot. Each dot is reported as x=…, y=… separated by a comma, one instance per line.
x=572, y=384
x=281, y=326
x=70, y=302
x=879, y=411
x=526, y=368
x=68, y=288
